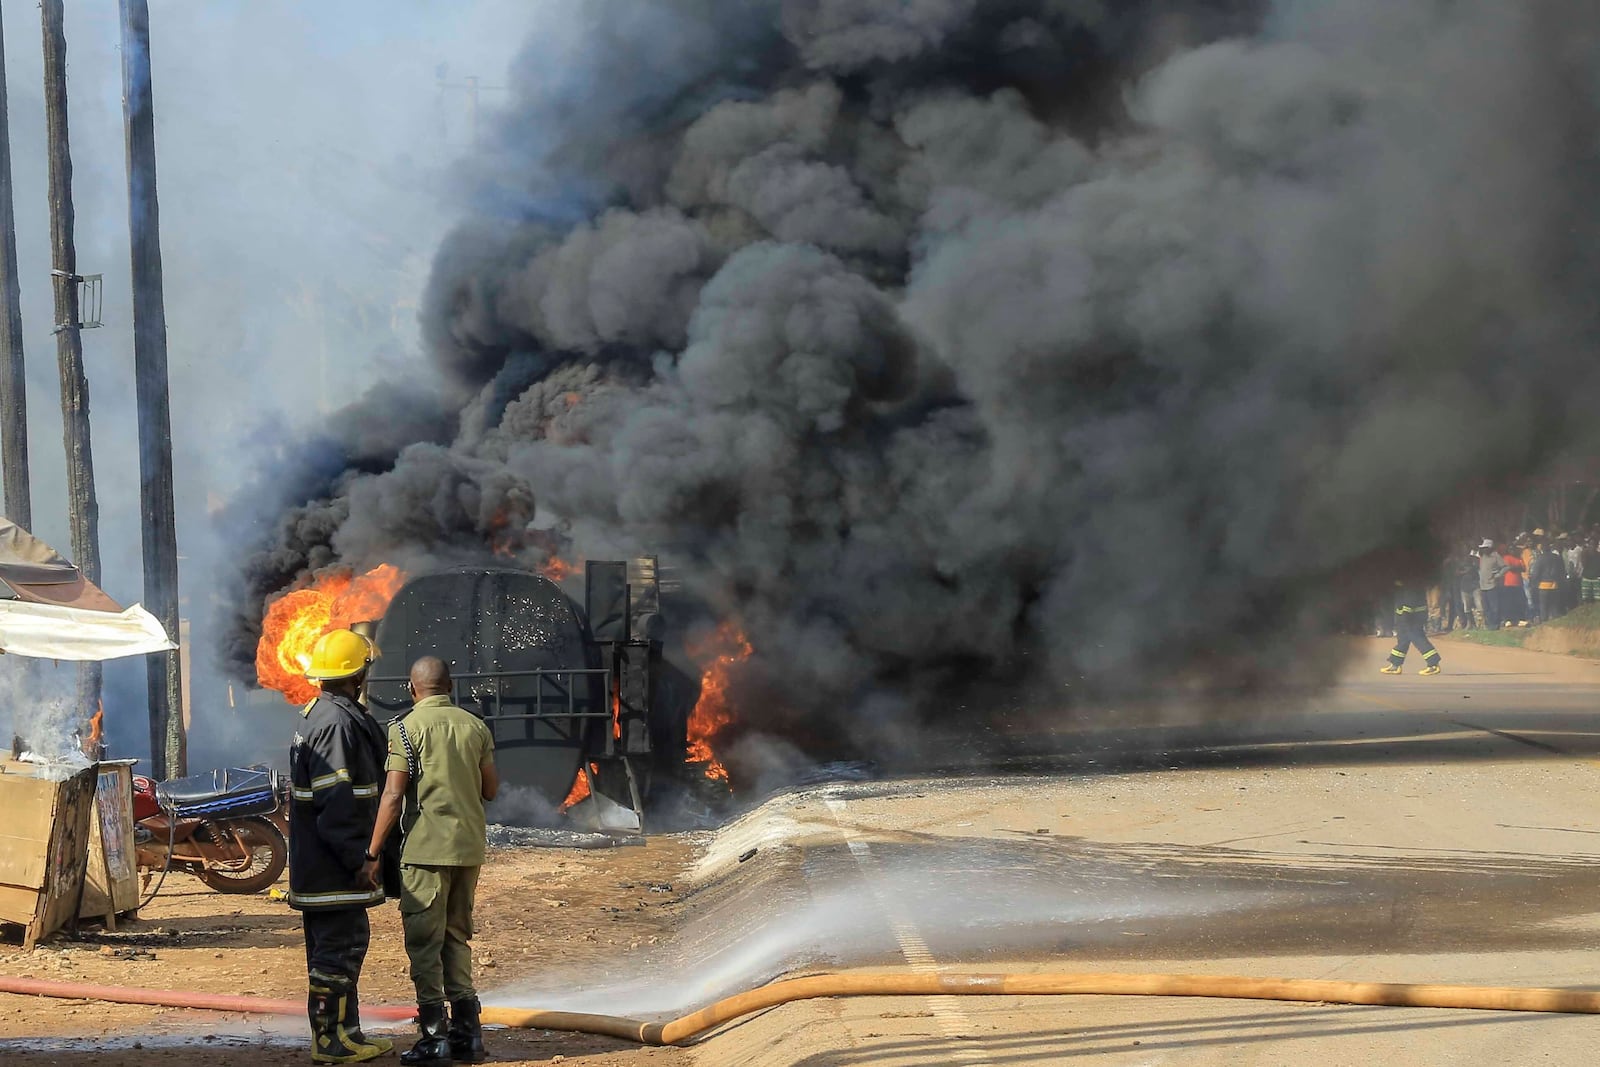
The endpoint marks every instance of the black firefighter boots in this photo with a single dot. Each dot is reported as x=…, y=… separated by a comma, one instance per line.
x=466, y=1031
x=328, y=1005
x=433, y=1048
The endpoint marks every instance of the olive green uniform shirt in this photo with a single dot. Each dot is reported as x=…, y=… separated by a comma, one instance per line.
x=444, y=824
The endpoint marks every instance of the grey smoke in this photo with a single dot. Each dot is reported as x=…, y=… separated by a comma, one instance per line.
x=1057, y=341
x=301, y=159
x=844, y=35
x=39, y=699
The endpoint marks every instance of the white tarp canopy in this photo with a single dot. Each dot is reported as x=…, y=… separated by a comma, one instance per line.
x=50, y=631
x=49, y=610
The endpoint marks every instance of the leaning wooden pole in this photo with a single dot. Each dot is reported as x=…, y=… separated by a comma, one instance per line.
x=13, y=378
x=83, y=512
x=160, y=536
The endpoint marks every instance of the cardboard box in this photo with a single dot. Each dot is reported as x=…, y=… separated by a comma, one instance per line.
x=44, y=845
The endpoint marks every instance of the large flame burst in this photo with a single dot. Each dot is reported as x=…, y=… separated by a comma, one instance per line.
x=726, y=648
x=296, y=619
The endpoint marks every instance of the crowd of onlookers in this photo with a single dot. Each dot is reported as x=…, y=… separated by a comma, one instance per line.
x=1531, y=579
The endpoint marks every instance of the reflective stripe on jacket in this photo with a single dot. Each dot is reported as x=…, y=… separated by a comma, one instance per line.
x=335, y=776
x=1408, y=599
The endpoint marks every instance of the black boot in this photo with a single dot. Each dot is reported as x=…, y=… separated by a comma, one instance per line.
x=433, y=1048
x=466, y=1031
x=330, y=1042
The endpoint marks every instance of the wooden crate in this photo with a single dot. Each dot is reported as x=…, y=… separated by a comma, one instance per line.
x=111, y=887
x=44, y=845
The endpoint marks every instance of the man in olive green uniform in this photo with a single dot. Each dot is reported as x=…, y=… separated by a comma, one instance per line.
x=441, y=769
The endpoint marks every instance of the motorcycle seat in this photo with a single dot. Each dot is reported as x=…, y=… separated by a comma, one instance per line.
x=226, y=791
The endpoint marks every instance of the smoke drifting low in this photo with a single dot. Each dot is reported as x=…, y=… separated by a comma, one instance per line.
x=1051, y=339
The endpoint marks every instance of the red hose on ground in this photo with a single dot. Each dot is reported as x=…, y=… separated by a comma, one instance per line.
x=177, y=998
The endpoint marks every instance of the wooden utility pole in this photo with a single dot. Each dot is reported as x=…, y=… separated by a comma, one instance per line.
x=13, y=379
x=159, y=531
x=82, y=511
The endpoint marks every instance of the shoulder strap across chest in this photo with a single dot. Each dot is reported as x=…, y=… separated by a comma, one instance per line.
x=413, y=765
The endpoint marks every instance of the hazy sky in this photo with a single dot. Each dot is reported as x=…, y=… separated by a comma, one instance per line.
x=304, y=152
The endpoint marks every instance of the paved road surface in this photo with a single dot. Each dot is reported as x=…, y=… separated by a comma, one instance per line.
x=1399, y=829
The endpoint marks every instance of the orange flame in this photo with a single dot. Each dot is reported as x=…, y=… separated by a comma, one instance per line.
x=727, y=648
x=558, y=570
x=505, y=536
x=616, y=708
x=580, y=788
x=297, y=618
x=90, y=745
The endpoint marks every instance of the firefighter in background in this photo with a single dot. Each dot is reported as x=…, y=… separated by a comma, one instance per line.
x=335, y=768
x=1411, y=628
x=440, y=773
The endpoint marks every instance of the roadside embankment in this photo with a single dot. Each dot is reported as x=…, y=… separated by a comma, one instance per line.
x=1575, y=634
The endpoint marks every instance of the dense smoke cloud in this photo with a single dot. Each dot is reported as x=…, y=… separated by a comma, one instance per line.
x=1053, y=339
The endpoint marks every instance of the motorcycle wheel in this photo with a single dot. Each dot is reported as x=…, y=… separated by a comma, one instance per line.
x=268, y=852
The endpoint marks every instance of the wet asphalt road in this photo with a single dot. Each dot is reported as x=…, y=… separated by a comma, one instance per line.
x=1395, y=829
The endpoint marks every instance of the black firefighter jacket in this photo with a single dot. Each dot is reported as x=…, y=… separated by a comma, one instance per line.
x=1409, y=599
x=336, y=774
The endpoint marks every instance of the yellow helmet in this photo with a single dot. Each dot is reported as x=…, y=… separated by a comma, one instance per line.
x=339, y=654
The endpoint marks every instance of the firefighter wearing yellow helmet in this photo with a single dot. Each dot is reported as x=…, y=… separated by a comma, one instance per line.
x=336, y=770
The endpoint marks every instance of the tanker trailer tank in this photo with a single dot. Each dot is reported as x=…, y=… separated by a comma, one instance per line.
x=562, y=685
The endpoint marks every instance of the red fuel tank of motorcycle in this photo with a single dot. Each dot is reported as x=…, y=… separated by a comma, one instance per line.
x=144, y=798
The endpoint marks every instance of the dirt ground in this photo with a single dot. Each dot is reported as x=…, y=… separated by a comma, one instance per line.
x=536, y=908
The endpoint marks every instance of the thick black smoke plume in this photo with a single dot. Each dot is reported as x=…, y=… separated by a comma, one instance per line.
x=1058, y=339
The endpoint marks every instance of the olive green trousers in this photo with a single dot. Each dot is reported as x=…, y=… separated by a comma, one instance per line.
x=436, y=910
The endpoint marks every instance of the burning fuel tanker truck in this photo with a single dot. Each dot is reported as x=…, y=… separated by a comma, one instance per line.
x=579, y=696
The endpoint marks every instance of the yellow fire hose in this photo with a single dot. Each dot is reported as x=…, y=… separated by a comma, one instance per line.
x=678, y=1031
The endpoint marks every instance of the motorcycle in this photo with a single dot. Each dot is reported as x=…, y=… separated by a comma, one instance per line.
x=228, y=828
